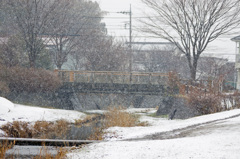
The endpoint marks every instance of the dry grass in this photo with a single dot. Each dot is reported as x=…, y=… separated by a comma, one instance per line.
x=86, y=120
x=98, y=134
x=40, y=129
x=44, y=154
x=61, y=127
x=44, y=129
x=17, y=129
x=116, y=116
x=4, y=146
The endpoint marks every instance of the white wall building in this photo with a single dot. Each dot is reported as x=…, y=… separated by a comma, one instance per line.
x=237, y=62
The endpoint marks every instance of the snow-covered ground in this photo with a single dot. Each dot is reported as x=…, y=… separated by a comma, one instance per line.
x=220, y=139
x=10, y=112
x=31, y=113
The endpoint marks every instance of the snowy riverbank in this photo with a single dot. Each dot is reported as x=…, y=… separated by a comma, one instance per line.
x=206, y=137
x=209, y=136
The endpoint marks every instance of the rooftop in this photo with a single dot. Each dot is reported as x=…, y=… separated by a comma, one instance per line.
x=237, y=38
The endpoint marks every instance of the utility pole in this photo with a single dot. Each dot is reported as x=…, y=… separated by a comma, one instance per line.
x=130, y=40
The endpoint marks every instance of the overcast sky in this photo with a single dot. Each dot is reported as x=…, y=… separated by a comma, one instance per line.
x=117, y=25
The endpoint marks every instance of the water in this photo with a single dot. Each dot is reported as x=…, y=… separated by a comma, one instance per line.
x=84, y=131
x=28, y=152
x=80, y=133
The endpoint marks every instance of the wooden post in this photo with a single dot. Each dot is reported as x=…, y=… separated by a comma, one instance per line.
x=130, y=78
x=71, y=76
x=187, y=89
x=159, y=79
x=111, y=77
x=150, y=78
x=56, y=72
x=182, y=89
x=92, y=76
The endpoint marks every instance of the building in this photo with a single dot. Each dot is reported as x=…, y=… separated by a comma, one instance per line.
x=237, y=62
x=153, y=56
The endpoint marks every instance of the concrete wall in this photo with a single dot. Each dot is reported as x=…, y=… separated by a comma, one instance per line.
x=92, y=101
x=103, y=101
x=171, y=103
x=85, y=101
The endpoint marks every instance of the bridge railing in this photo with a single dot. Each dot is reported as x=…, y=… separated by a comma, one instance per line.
x=112, y=77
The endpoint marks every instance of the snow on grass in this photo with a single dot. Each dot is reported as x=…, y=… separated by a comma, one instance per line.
x=5, y=106
x=221, y=146
x=219, y=142
x=31, y=114
x=162, y=124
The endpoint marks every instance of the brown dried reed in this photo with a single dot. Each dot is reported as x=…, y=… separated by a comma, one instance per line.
x=40, y=129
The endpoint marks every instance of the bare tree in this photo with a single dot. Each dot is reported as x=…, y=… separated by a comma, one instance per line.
x=74, y=23
x=32, y=18
x=11, y=51
x=213, y=67
x=104, y=54
x=158, y=58
x=191, y=24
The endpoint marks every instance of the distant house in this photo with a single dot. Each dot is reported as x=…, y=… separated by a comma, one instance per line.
x=237, y=62
x=210, y=67
x=153, y=56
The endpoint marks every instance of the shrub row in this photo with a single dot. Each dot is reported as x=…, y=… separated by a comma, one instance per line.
x=28, y=80
x=205, y=103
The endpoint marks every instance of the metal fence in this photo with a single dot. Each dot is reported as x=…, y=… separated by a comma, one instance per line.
x=112, y=77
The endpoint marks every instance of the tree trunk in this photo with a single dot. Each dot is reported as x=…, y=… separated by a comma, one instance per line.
x=32, y=62
x=59, y=66
x=193, y=73
x=193, y=69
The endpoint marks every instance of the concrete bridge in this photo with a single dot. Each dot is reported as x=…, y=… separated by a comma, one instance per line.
x=84, y=90
x=113, y=82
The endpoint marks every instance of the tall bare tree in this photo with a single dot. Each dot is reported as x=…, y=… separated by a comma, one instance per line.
x=213, y=67
x=31, y=18
x=11, y=51
x=101, y=53
x=74, y=23
x=191, y=24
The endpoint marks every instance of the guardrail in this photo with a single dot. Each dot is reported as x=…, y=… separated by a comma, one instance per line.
x=47, y=142
x=112, y=77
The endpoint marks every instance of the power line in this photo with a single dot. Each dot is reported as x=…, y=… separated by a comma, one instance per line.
x=118, y=17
